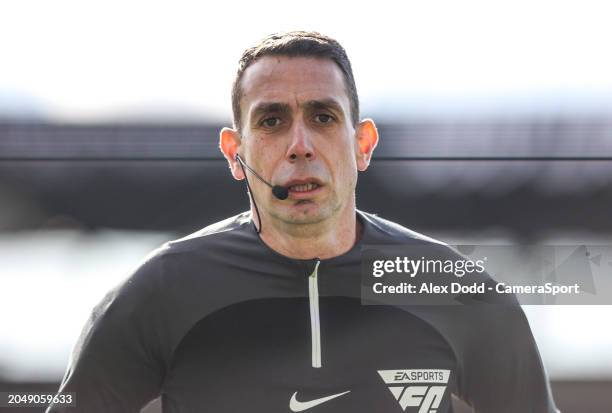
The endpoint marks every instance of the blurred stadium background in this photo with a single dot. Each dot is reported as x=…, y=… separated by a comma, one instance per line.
x=109, y=118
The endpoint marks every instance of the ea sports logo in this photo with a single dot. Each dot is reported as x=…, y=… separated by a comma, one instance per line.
x=425, y=388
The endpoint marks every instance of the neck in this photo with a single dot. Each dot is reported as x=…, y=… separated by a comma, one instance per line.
x=325, y=239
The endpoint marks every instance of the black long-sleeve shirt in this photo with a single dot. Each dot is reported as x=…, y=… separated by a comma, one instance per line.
x=219, y=322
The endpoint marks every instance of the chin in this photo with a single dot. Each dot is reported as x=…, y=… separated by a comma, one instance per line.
x=305, y=213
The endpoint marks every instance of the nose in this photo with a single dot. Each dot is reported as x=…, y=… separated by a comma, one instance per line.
x=301, y=145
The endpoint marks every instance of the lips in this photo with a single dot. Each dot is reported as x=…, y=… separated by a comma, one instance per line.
x=304, y=186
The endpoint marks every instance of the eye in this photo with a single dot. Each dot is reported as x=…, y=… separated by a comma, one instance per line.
x=271, y=122
x=324, y=118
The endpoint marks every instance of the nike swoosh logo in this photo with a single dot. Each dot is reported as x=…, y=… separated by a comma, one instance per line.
x=298, y=406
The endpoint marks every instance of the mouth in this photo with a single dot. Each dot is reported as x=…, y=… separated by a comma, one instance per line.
x=303, y=188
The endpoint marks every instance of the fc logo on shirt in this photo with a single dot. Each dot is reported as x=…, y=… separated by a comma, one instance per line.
x=425, y=387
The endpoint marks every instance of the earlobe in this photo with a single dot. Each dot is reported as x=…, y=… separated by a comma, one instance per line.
x=367, y=139
x=229, y=143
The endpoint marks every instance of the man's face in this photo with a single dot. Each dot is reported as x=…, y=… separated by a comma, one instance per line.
x=297, y=132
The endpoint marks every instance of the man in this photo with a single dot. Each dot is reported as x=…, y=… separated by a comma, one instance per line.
x=261, y=312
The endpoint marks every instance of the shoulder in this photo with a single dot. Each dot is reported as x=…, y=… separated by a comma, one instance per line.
x=392, y=238
x=235, y=227
x=383, y=229
x=182, y=255
x=232, y=231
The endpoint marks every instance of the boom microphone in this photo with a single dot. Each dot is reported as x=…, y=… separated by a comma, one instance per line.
x=280, y=192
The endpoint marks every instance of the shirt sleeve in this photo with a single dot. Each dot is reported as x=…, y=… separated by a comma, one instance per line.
x=502, y=368
x=115, y=365
x=499, y=366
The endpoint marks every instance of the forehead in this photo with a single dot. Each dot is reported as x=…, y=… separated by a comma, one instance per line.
x=292, y=80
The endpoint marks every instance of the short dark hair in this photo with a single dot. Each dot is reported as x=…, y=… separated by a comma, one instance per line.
x=297, y=44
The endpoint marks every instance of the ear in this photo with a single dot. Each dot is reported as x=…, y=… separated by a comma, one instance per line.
x=367, y=139
x=229, y=143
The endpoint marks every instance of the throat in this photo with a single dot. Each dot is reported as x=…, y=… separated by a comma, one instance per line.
x=322, y=243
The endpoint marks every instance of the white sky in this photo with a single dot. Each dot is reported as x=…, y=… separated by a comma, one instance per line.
x=84, y=60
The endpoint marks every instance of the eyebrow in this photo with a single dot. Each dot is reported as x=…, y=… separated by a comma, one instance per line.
x=283, y=108
x=270, y=107
x=329, y=104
